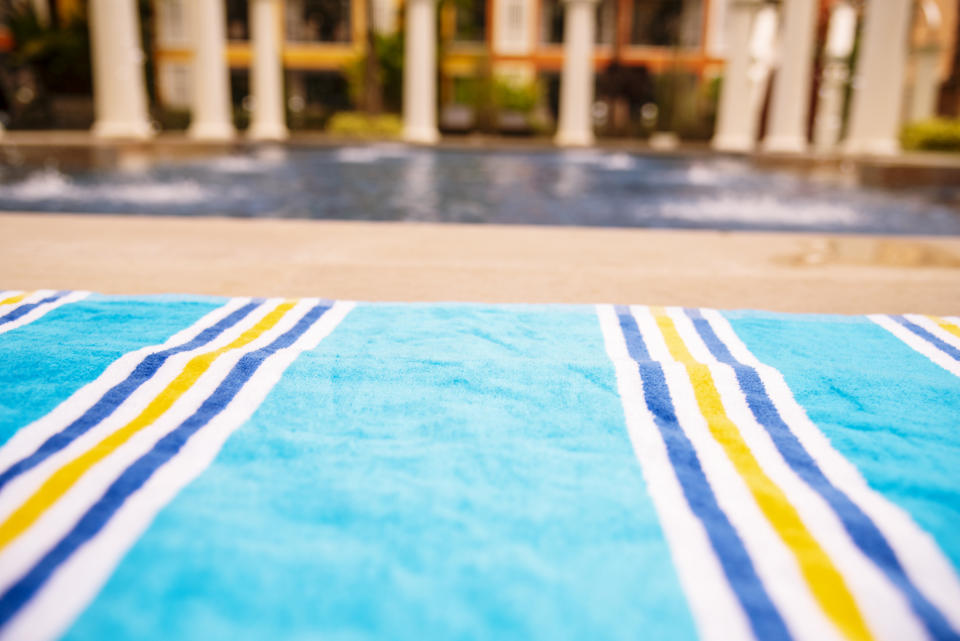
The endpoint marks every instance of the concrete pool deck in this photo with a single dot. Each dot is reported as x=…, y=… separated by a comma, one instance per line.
x=375, y=261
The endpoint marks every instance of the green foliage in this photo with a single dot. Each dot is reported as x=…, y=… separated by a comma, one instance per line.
x=361, y=125
x=465, y=89
x=513, y=96
x=699, y=120
x=389, y=50
x=937, y=134
x=241, y=118
x=59, y=56
x=309, y=119
x=687, y=105
x=171, y=118
x=478, y=92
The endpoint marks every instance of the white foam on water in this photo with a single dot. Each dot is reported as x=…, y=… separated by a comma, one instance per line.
x=263, y=159
x=760, y=210
x=178, y=192
x=271, y=154
x=582, y=157
x=234, y=165
x=372, y=153
x=237, y=165
x=40, y=185
x=619, y=162
x=703, y=175
x=50, y=184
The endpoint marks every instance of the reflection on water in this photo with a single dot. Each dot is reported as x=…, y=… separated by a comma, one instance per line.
x=418, y=192
x=395, y=182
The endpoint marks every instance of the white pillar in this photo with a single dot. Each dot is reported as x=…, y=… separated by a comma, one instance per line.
x=211, y=117
x=734, y=127
x=833, y=79
x=878, y=99
x=790, y=104
x=926, y=84
x=715, y=43
x=420, y=73
x=266, y=72
x=384, y=17
x=925, y=61
x=42, y=10
x=119, y=91
x=575, y=123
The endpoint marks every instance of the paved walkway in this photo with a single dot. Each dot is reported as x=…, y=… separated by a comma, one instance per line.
x=422, y=262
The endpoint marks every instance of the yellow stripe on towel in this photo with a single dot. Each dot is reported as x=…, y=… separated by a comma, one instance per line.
x=12, y=300
x=64, y=478
x=825, y=581
x=946, y=325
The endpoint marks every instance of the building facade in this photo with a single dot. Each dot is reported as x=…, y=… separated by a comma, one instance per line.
x=794, y=71
x=512, y=42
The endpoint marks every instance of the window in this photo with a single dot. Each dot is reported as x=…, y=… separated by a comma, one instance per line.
x=471, y=21
x=324, y=91
x=238, y=20
x=175, y=84
x=667, y=23
x=172, y=23
x=239, y=86
x=606, y=22
x=551, y=22
x=318, y=20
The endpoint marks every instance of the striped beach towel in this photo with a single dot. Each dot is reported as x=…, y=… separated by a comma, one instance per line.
x=177, y=467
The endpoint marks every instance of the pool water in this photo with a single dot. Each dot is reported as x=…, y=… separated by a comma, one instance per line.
x=396, y=182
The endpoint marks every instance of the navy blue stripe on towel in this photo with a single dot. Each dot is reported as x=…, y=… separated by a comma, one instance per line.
x=133, y=478
x=119, y=393
x=23, y=310
x=864, y=532
x=765, y=619
x=940, y=344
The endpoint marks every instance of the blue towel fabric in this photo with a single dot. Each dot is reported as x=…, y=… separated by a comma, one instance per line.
x=204, y=468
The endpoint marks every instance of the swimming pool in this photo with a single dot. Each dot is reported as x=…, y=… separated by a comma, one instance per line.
x=396, y=182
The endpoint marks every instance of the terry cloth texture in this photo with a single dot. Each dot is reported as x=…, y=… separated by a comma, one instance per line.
x=206, y=468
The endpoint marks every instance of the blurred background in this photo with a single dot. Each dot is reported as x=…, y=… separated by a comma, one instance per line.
x=834, y=120
x=658, y=65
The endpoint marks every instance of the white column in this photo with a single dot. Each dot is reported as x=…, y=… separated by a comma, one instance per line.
x=840, y=37
x=734, y=127
x=575, y=123
x=384, y=17
x=926, y=83
x=878, y=99
x=211, y=118
x=925, y=60
x=42, y=10
x=790, y=104
x=119, y=91
x=266, y=72
x=715, y=44
x=420, y=73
